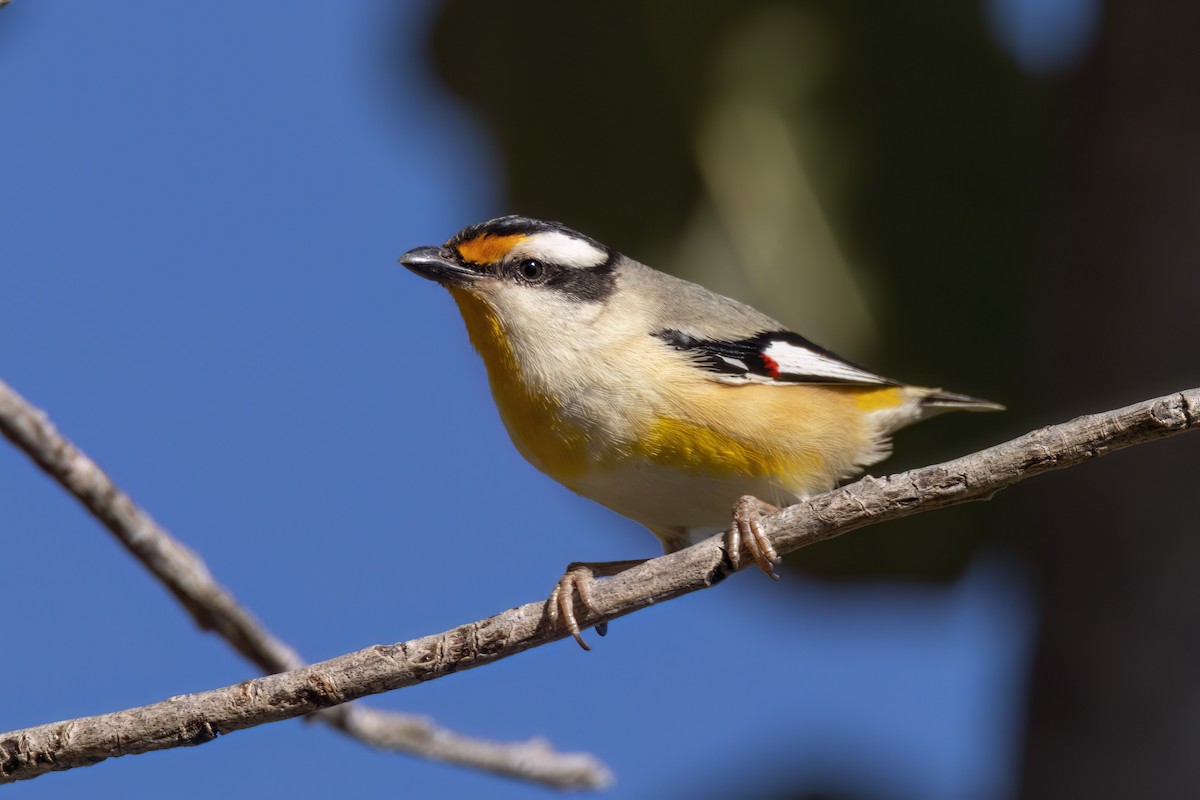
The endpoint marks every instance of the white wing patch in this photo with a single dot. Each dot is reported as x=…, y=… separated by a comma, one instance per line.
x=802, y=362
x=556, y=247
x=778, y=358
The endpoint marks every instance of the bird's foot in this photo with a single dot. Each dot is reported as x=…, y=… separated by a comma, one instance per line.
x=578, y=580
x=746, y=531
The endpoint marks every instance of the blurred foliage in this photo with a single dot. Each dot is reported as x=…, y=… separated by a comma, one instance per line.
x=1113, y=548
x=880, y=178
x=866, y=172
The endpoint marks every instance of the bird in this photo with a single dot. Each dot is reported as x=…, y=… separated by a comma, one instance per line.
x=684, y=410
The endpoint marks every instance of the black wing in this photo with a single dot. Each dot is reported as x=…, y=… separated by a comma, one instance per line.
x=770, y=357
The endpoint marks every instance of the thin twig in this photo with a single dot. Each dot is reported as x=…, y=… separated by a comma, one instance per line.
x=198, y=718
x=214, y=608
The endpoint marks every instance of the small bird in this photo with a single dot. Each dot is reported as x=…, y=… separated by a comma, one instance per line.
x=672, y=405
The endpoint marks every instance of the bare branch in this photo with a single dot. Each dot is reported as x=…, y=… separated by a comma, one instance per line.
x=198, y=718
x=214, y=608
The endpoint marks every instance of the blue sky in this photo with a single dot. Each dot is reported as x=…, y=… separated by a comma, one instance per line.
x=202, y=204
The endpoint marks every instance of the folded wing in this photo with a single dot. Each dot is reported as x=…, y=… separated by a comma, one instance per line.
x=770, y=357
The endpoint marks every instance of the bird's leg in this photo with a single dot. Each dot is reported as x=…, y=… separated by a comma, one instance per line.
x=746, y=530
x=578, y=579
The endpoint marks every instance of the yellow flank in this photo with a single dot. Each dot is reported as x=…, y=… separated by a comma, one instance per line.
x=532, y=420
x=488, y=249
x=869, y=400
x=689, y=447
x=796, y=436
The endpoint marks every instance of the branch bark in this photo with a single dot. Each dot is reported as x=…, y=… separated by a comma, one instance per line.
x=198, y=718
x=214, y=608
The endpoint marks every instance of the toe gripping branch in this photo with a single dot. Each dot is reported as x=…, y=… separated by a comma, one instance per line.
x=580, y=576
x=746, y=531
x=578, y=580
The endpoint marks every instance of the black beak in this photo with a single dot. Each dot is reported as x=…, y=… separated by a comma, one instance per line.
x=438, y=264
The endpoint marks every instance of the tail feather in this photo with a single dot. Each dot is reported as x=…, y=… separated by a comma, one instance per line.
x=937, y=400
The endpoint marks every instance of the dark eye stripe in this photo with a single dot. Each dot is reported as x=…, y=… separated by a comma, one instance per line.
x=590, y=284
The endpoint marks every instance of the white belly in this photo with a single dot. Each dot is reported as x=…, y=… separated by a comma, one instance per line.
x=678, y=506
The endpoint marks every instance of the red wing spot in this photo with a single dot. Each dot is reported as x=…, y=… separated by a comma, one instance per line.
x=771, y=364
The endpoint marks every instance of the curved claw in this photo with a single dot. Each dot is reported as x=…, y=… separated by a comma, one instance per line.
x=746, y=530
x=561, y=605
x=578, y=580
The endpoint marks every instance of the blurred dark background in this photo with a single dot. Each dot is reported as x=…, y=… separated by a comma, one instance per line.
x=1002, y=198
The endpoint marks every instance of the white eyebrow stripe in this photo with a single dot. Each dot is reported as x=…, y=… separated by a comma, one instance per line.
x=795, y=360
x=556, y=247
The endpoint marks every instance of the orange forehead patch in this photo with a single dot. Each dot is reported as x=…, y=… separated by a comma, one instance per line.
x=487, y=248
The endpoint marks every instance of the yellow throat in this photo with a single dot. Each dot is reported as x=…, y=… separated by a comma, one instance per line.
x=532, y=419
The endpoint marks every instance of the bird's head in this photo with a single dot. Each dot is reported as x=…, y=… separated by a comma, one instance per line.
x=519, y=256
x=529, y=291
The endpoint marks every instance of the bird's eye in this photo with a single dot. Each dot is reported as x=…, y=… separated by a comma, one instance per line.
x=531, y=269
